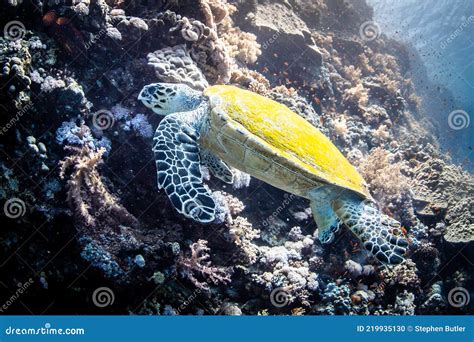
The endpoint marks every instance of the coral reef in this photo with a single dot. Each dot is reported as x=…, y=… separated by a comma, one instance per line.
x=87, y=193
x=388, y=183
x=447, y=191
x=76, y=158
x=197, y=264
x=176, y=66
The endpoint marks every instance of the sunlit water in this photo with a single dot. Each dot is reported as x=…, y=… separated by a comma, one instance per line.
x=442, y=32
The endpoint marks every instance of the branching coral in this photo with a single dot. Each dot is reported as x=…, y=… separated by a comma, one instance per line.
x=226, y=206
x=242, y=234
x=340, y=126
x=87, y=193
x=198, y=269
x=79, y=135
x=387, y=182
x=336, y=300
x=241, y=45
x=352, y=73
x=357, y=95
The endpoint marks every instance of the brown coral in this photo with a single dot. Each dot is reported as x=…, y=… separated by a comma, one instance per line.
x=198, y=269
x=251, y=80
x=387, y=182
x=242, y=233
x=404, y=274
x=87, y=193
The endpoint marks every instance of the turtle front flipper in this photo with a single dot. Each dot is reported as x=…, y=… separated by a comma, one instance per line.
x=179, y=170
x=217, y=167
x=377, y=231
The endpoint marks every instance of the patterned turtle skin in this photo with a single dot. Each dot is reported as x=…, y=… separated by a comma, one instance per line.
x=226, y=126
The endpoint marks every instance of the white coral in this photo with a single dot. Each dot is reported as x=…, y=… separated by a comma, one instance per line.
x=174, y=64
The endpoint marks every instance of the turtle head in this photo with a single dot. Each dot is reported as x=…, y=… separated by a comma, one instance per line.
x=167, y=98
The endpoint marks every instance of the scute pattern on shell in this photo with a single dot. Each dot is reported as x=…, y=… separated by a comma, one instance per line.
x=304, y=154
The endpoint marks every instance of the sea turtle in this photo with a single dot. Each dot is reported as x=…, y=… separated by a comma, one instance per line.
x=227, y=126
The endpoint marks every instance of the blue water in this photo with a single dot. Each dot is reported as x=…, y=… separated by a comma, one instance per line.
x=442, y=32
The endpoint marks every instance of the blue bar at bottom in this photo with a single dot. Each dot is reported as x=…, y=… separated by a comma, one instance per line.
x=242, y=329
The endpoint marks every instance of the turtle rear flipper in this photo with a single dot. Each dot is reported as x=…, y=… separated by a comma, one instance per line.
x=376, y=230
x=217, y=167
x=326, y=219
x=179, y=171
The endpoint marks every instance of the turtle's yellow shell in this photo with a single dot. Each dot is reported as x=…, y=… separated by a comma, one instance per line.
x=268, y=140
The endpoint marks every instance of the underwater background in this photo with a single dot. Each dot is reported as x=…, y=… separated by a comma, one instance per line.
x=85, y=229
x=442, y=36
